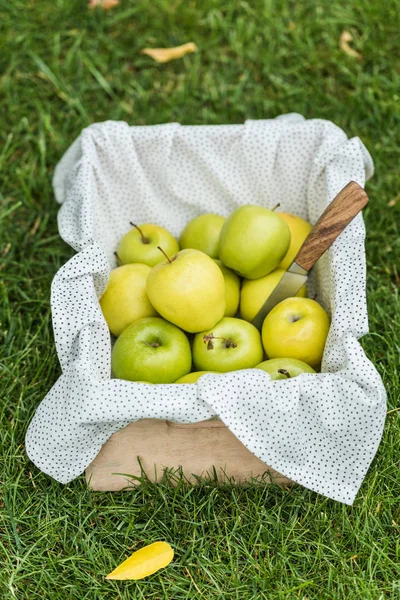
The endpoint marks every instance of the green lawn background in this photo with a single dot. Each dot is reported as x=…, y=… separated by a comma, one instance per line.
x=63, y=67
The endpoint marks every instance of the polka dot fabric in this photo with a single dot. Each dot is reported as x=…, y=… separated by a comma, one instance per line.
x=321, y=431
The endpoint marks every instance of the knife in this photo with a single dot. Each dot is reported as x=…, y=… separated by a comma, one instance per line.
x=335, y=218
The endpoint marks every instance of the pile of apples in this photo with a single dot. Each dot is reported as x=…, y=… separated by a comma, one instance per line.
x=179, y=310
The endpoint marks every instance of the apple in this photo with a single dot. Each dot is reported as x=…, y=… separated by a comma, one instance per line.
x=296, y=328
x=232, y=290
x=202, y=233
x=193, y=377
x=125, y=299
x=152, y=350
x=140, y=244
x=255, y=292
x=284, y=368
x=188, y=290
x=299, y=230
x=231, y=345
x=253, y=241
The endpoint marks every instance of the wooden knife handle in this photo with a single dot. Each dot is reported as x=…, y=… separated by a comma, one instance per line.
x=343, y=208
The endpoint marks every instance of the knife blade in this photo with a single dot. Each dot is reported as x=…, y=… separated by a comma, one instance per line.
x=335, y=218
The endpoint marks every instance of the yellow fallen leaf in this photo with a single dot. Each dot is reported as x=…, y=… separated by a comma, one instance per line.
x=104, y=4
x=344, y=44
x=144, y=562
x=163, y=55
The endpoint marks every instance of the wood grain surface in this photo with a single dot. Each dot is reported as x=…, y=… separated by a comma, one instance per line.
x=343, y=208
x=197, y=448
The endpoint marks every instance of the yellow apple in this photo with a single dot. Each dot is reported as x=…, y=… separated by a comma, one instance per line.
x=284, y=368
x=193, y=377
x=231, y=345
x=202, y=233
x=296, y=328
x=253, y=241
x=255, y=292
x=299, y=230
x=140, y=245
x=232, y=290
x=188, y=289
x=125, y=299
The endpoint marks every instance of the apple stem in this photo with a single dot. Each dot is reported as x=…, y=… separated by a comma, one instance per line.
x=144, y=238
x=275, y=207
x=118, y=258
x=207, y=339
x=315, y=296
x=284, y=372
x=165, y=254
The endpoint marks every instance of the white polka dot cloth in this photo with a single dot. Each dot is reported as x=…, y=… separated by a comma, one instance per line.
x=321, y=431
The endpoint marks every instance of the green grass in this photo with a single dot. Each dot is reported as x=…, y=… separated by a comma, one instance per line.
x=63, y=67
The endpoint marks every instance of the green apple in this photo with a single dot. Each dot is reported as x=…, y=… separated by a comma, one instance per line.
x=231, y=345
x=202, y=233
x=125, y=300
x=152, y=350
x=232, y=290
x=255, y=292
x=188, y=290
x=140, y=244
x=299, y=230
x=253, y=241
x=296, y=328
x=284, y=368
x=193, y=377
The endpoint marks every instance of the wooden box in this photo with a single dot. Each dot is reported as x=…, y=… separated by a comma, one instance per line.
x=199, y=449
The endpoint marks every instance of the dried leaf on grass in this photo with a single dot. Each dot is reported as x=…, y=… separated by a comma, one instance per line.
x=344, y=44
x=144, y=562
x=104, y=4
x=35, y=226
x=163, y=55
x=7, y=249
